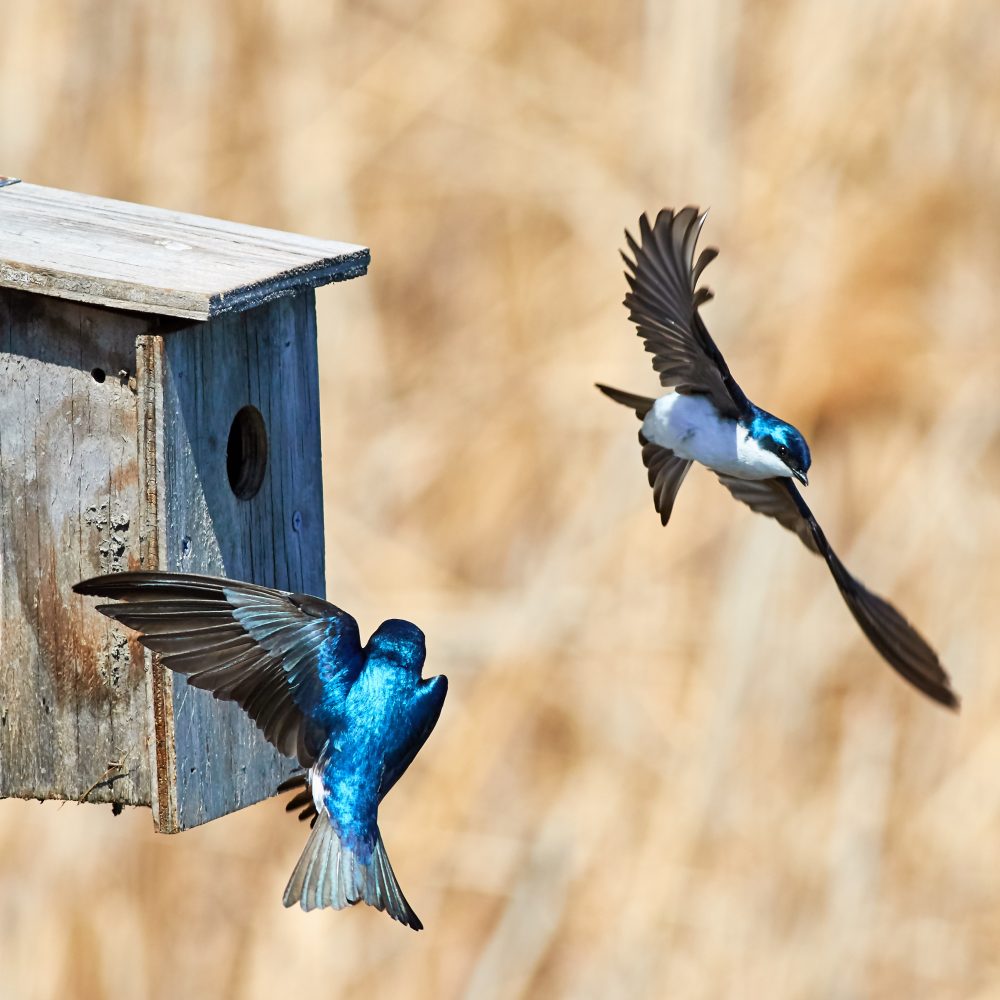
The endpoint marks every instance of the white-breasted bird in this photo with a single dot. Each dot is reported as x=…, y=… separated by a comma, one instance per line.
x=707, y=418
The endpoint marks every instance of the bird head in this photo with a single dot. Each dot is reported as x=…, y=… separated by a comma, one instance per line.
x=786, y=443
x=399, y=640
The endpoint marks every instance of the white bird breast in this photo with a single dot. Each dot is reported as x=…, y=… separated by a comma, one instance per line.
x=691, y=428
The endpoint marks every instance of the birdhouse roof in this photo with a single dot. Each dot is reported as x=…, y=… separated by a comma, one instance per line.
x=127, y=256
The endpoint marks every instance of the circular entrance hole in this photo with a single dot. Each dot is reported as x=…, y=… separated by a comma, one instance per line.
x=246, y=452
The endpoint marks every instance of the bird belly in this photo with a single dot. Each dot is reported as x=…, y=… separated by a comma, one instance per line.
x=691, y=428
x=346, y=786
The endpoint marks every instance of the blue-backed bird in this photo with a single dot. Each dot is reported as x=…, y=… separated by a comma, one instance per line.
x=354, y=717
x=708, y=419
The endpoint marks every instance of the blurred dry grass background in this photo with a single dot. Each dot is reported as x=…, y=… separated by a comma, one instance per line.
x=670, y=766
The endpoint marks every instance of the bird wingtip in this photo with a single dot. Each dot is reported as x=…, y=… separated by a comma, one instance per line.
x=951, y=700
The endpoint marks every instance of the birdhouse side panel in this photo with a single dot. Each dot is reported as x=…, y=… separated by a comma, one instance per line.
x=73, y=692
x=243, y=498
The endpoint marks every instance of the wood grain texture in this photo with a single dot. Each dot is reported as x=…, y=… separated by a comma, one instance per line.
x=73, y=696
x=159, y=721
x=128, y=256
x=113, y=455
x=265, y=358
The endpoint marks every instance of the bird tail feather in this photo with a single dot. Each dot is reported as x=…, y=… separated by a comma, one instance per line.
x=331, y=873
x=641, y=404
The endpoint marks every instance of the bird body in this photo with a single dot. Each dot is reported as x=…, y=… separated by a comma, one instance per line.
x=385, y=708
x=692, y=428
x=355, y=717
x=705, y=417
x=388, y=709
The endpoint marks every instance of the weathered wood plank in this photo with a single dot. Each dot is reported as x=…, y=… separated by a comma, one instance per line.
x=128, y=256
x=73, y=695
x=265, y=358
x=152, y=554
x=101, y=472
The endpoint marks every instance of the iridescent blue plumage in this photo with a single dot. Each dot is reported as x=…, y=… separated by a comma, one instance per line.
x=782, y=438
x=387, y=715
x=354, y=717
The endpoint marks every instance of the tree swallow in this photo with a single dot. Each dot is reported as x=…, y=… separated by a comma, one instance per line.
x=708, y=419
x=354, y=717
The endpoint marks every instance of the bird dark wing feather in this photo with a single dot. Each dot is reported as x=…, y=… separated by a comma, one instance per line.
x=663, y=301
x=887, y=630
x=768, y=497
x=666, y=473
x=640, y=404
x=286, y=659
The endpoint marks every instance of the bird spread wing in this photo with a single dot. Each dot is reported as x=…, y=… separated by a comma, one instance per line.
x=287, y=659
x=887, y=630
x=666, y=473
x=663, y=301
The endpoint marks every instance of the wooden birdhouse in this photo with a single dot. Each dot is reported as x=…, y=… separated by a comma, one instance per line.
x=159, y=409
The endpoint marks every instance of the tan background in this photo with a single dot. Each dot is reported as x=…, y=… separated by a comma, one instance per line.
x=669, y=765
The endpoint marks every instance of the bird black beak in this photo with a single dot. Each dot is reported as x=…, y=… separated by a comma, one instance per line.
x=801, y=476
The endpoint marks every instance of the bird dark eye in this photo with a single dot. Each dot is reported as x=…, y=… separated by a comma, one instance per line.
x=782, y=450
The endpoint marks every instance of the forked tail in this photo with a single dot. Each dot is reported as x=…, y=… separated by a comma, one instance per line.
x=330, y=873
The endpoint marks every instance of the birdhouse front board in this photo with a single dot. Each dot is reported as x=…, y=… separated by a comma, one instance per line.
x=159, y=409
